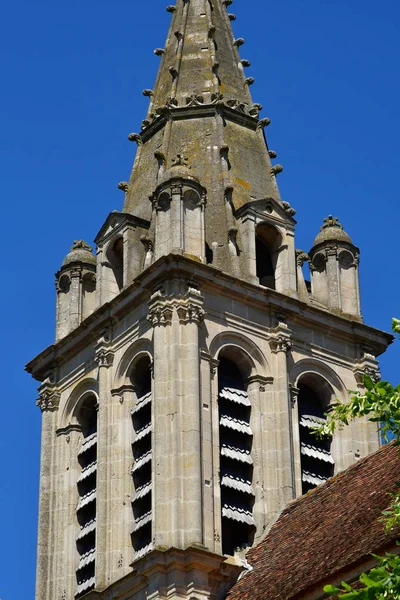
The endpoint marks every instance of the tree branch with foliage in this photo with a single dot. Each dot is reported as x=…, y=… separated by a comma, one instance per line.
x=380, y=403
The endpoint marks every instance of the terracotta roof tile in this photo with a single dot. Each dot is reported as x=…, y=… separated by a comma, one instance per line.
x=324, y=531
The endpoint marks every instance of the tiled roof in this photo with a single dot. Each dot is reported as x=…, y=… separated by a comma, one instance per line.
x=321, y=533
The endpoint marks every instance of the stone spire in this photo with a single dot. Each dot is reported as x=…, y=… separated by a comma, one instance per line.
x=201, y=108
x=201, y=56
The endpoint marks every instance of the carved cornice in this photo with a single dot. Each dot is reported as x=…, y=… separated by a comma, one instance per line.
x=195, y=107
x=262, y=381
x=188, y=307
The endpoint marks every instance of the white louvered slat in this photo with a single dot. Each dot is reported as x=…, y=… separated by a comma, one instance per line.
x=235, y=424
x=318, y=453
x=238, y=396
x=85, y=585
x=141, y=403
x=87, y=471
x=237, y=514
x=237, y=484
x=312, y=478
x=85, y=500
x=146, y=518
x=143, y=460
x=236, y=454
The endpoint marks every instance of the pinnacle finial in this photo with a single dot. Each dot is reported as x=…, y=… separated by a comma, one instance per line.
x=81, y=245
x=331, y=222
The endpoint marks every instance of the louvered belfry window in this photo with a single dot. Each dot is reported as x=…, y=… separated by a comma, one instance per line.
x=317, y=463
x=236, y=464
x=142, y=455
x=86, y=509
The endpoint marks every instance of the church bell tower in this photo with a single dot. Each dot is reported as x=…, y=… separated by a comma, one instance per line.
x=192, y=358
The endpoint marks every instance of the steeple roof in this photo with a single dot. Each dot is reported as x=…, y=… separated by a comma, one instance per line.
x=201, y=57
x=201, y=108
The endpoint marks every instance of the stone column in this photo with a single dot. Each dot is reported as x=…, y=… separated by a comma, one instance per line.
x=248, y=230
x=75, y=299
x=332, y=274
x=262, y=430
x=295, y=427
x=280, y=343
x=120, y=456
x=208, y=370
x=104, y=359
x=177, y=472
x=69, y=441
x=45, y=585
x=176, y=218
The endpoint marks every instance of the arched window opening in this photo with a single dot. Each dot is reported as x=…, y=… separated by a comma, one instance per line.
x=86, y=509
x=268, y=240
x=317, y=463
x=236, y=465
x=115, y=256
x=142, y=454
x=265, y=269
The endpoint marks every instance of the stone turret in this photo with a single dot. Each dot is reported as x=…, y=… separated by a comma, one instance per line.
x=334, y=269
x=76, y=286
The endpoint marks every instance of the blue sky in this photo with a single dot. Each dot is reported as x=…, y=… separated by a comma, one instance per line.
x=72, y=75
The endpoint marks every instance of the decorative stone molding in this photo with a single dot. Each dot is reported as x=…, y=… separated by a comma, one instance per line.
x=301, y=257
x=367, y=365
x=262, y=381
x=104, y=358
x=124, y=186
x=189, y=308
x=190, y=313
x=288, y=209
x=49, y=400
x=281, y=338
x=275, y=170
x=262, y=123
x=294, y=393
x=135, y=137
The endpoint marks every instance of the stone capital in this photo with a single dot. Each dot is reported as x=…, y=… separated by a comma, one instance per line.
x=281, y=338
x=104, y=357
x=49, y=400
x=366, y=366
x=188, y=307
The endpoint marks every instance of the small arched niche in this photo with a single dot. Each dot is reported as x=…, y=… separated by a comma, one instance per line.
x=315, y=396
x=140, y=375
x=235, y=439
x=115, y=258
x=268, y=240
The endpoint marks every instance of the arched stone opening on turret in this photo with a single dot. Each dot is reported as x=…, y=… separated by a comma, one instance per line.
x=115, y=258
x=86, y=417
x=268, y=242
x=140, y=375
x=235, y=441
